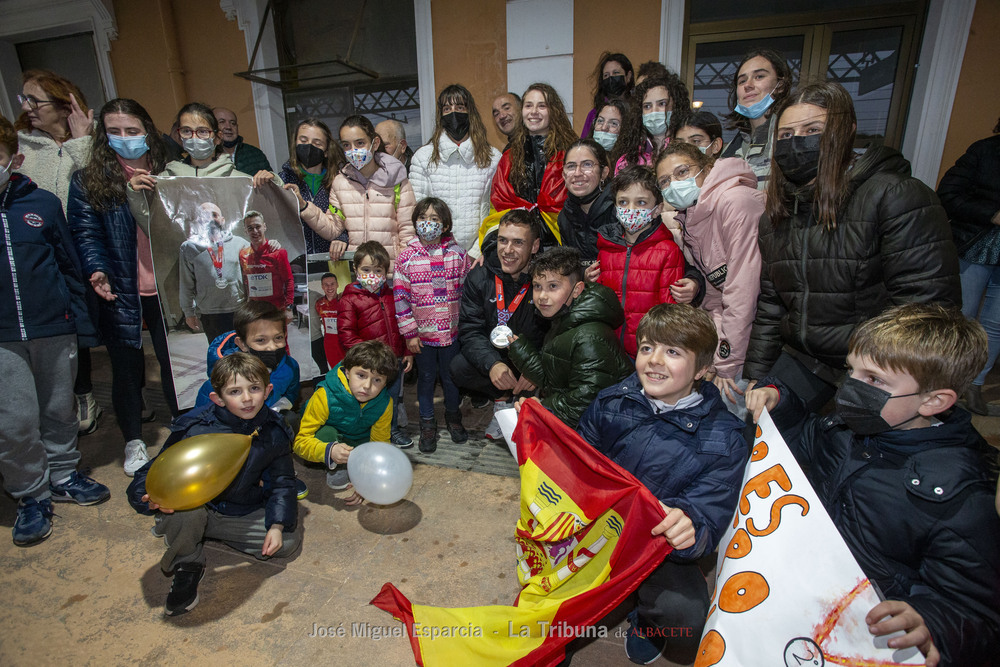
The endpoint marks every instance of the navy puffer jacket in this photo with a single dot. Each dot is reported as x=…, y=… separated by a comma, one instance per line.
x=692, y=458
x=106, y=242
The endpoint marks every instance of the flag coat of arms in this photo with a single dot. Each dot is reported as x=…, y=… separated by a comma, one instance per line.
x=788, y=590
x=583, y=544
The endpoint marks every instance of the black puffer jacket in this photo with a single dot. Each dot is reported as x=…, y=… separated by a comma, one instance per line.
x=477, y=316
x=578, y=229
x=915, y=508
x=970, y=192
x=891, y=245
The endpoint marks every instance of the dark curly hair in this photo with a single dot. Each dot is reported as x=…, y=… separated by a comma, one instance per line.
x=634, y=136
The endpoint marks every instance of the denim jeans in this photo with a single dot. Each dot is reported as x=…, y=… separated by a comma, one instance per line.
x=434, y=363
x=981, y=299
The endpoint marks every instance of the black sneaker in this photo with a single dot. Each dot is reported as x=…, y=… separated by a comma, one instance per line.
x=34, y=521
x=643, y=645
x=400, y=439
x=454, y=422
x=183, y=595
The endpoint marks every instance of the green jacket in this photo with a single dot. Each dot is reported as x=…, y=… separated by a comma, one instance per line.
x=580, y=356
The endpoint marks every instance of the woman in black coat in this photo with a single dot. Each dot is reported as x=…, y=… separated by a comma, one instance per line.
x=970, y=193
x=842, y=238
x=117, y=261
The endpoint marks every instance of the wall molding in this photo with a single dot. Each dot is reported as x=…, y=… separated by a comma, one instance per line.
x=940, y=65
x=268, y=102
x=672, y=34
x=31, y=20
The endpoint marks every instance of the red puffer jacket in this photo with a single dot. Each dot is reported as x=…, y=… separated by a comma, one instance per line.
x=640, y=274
x=366, y=316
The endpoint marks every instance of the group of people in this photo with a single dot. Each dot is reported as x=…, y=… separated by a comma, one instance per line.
x=650, y=285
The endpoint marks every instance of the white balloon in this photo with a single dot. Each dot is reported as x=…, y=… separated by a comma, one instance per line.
x=380, y=473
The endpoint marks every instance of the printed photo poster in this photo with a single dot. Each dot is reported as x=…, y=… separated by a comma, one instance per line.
x=788, y=590
x=323, y=307
x=209, y=256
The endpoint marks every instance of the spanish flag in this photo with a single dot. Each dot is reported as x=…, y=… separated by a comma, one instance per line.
x=583, y=544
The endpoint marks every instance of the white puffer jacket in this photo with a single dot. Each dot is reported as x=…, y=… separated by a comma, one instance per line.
x=49, y=165
x=456, y=179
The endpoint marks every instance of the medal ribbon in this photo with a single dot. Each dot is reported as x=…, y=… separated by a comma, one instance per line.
x=503, y=314
x=217, y=258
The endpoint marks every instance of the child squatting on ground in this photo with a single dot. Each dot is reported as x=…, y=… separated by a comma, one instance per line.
x=41, y=312
x=904, y=476
x=673, y=432
x=257, y=513
x=350, y=406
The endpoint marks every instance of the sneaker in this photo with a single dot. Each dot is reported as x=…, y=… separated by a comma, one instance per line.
x=34, y=521
x=400, y=439
x=79, y=489
x=135, y=456
x=183, y=595
x=641, y=646
x=338, y=479
x=493, y=431
x=88, y=412
x=428, y=436
x=479, y=401
x=453, y=420
x=301, y=490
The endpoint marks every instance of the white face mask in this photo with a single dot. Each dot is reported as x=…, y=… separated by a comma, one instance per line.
x=359, y=157
x=198, y=149
x=5, y=174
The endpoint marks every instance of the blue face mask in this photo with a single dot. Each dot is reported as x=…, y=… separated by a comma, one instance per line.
x=757, y=109
x=129, y=148
x=682, y=194
x=657, y=122
x=605, y=139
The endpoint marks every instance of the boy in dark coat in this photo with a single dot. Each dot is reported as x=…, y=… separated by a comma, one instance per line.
x=257, y=513
x=581, y=354
x=673, y=432
x=41, y=312
x=903, y=474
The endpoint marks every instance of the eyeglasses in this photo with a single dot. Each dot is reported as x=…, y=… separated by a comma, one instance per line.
x=681, y=173
x=33, y=103
x=202, y=132
x=587, y=167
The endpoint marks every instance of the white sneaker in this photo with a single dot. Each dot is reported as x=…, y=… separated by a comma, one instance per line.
x=493, y=431
x=135, y=456
x=87, y=412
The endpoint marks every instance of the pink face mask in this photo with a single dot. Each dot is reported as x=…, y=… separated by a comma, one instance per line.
x=371, y=281
x=633, y=219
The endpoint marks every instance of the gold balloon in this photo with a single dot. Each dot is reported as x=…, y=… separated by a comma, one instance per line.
x=195, y=470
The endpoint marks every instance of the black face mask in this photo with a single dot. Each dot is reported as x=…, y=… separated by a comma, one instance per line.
x=586, y=199
x=308, y=155
x=271, y=358
x=860, y=405
x=456, y=124
x=613, y=85
x=230, y=144
x=798, y=158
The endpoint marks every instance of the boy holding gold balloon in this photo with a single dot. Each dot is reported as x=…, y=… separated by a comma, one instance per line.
x=253, y=511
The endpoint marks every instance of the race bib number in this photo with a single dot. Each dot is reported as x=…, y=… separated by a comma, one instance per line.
x=260, y=285
x=329, y=325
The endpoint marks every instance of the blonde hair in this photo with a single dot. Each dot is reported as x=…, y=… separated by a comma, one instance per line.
x=938, y=346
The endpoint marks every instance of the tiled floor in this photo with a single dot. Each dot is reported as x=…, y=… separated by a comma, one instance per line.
x=93, y=592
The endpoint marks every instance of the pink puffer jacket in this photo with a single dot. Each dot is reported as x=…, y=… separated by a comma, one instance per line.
x=379, y=210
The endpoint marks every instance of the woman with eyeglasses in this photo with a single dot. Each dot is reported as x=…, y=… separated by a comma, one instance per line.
x=762, y=80
x=608, y=125
x=457, y=164
x=589, y=203
x=371, y=198
x=615, y=79
x=718, y=207
x=117, y=260
x=314, y=158
x=529, y=175
x=655, y=111
x=54, y=137
x=842, y=238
